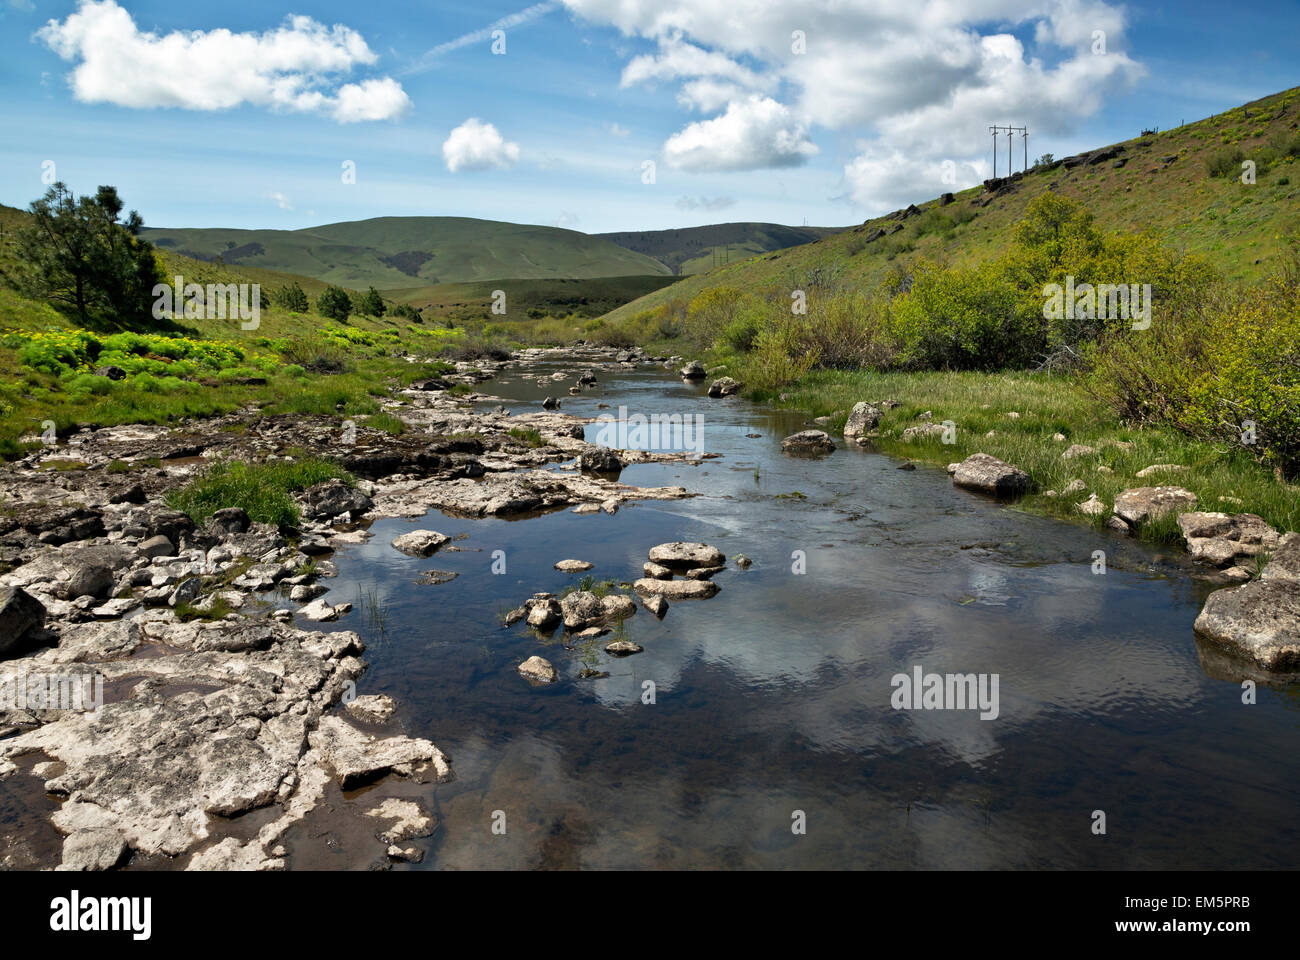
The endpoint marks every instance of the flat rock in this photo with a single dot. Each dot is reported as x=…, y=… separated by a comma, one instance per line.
x=686, y=555
x=676, y=589
x=988, y=474
x=357, y=758
x=573, y=566
x=372, y=708
x=1140, y=504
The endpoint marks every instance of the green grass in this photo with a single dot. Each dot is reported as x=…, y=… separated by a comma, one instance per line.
x=1048, y=405
x=529, y=436
x=261, y=489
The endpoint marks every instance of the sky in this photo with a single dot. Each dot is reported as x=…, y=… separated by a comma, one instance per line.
x=595, y=115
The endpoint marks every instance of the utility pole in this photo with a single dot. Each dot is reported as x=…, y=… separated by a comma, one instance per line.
x=1008, y=130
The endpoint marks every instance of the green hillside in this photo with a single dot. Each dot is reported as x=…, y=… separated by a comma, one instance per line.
x=698, y=249
x=1161, y=182
x=581, y=297
x=404, y=252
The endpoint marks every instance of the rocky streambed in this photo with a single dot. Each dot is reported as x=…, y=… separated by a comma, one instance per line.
x=314, y=697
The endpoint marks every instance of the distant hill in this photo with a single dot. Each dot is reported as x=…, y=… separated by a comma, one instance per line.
x=699, y=249
x=404, y=252
x=1183, y=183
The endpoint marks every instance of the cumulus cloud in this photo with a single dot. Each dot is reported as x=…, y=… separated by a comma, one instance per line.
x=281, y=200
x=916, y=82
x=756, y=132
x=288, y=68
x=476, y=145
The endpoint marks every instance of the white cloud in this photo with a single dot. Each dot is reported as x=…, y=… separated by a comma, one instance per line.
x=476, y=145
x=281, y=200
x=284, y=69
x=916, y=81
x=618, y=131
x=755, y=133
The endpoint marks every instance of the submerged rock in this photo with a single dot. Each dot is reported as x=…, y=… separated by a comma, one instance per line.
x=808, y=442
x=573, y=566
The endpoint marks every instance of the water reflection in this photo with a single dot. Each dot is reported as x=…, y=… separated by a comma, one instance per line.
x=774, y=696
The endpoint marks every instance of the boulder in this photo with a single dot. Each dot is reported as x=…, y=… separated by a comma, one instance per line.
x=21, y=615
x=657, y=571
x=538, y=669
x=656, y=604
x=808, y=442
x=420, y=543
x=1140, y=504
x=227, y=521
x=1226, y=540
x=863, y=418
x=600, y=460
x=693, y=371
x=544, y=614
x=988, y=474
x=724, y=387
x=681, y=555
x=331, y=499
x=582, y=608
x=617, y=606
x=1258, y=620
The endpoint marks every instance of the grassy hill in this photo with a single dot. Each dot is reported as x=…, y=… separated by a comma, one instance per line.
x=1162, y=182
x=403, y=252
x=589, y=297
x=698, y=249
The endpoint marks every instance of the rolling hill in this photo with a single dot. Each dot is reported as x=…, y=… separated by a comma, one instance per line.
x=1184, y=183
x=698, y=249
x=402, y=252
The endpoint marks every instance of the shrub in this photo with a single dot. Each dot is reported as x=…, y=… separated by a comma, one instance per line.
x=335, y=304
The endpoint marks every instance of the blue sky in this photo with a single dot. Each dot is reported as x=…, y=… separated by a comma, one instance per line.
x=235, y=115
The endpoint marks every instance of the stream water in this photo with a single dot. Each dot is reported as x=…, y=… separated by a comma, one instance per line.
x=775, y=696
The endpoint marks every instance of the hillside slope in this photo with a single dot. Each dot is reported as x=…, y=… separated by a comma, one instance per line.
x=402, y=252
x=1160, y=182
x=698, y=249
